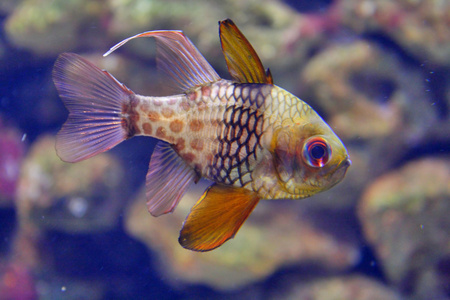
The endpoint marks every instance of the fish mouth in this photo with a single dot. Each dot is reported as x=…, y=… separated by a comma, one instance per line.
x=345, y=163
x=334, y=177
x=340, y=170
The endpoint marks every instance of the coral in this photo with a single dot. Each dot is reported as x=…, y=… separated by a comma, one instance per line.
x=405, y=217
x=17, y=282
x=11, y=156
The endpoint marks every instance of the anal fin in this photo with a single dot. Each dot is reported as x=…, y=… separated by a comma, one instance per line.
x=168, y=178
x=216, y=217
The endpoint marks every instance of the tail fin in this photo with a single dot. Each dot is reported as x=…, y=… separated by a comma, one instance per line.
x=96, y=102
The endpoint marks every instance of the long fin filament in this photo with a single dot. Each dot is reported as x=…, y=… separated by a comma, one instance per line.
x=178, y=57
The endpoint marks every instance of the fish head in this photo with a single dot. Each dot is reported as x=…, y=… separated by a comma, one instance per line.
x=308, y=157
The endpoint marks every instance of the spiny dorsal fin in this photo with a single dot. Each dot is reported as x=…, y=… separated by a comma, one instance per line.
x=243, y=63
x=216, y=217
x=179, y=58
x=168, y=178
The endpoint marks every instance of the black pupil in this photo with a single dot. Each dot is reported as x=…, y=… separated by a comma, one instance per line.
x=317, y=151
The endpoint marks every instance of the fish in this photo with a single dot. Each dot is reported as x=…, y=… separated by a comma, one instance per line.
x=252, y=139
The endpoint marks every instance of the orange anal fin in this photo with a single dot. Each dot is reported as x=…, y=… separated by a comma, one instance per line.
x=216, y=217
x=243, y=63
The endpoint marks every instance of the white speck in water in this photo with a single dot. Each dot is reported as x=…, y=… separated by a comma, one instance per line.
x=78, y=206
x=63, y=289
x=24, y=137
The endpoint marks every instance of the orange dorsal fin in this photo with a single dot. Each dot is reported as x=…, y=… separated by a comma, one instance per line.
x=216, y=217
x=243, y=63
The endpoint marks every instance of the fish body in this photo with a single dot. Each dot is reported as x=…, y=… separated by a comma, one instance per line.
x=253, y=139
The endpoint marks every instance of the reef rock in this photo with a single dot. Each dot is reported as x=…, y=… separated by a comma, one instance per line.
x=421, y=27
x=366, y=93
x=81, y=197
x=405, y=217
x=335, y=288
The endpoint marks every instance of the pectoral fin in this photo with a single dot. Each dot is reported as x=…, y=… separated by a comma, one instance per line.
x=216, y=217
x=243, y=63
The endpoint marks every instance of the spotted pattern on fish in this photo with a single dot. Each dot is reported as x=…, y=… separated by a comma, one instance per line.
x=131, y=121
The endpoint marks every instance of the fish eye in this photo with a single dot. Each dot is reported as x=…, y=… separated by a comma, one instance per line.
x=316, y=152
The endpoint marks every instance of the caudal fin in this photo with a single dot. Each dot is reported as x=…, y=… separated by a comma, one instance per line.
x=96, y=101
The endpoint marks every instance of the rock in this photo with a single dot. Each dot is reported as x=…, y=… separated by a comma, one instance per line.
x=48, y=28
x=60, y=205
x=421, y=27
x=366, y=93
x=405, y=217
x=81, y=197
x=8, y=6
x=334, y=288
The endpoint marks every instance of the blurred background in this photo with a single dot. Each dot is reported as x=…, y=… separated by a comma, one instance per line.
x=376, y=71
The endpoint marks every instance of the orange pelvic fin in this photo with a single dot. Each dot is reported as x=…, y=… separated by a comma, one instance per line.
x=216, y=217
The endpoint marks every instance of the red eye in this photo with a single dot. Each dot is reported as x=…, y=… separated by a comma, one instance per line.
x=316, y=152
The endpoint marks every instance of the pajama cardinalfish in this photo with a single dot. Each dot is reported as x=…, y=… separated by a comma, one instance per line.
x=253, y=139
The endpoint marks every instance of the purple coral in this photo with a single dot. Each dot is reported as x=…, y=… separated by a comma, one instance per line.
x=11, y=154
